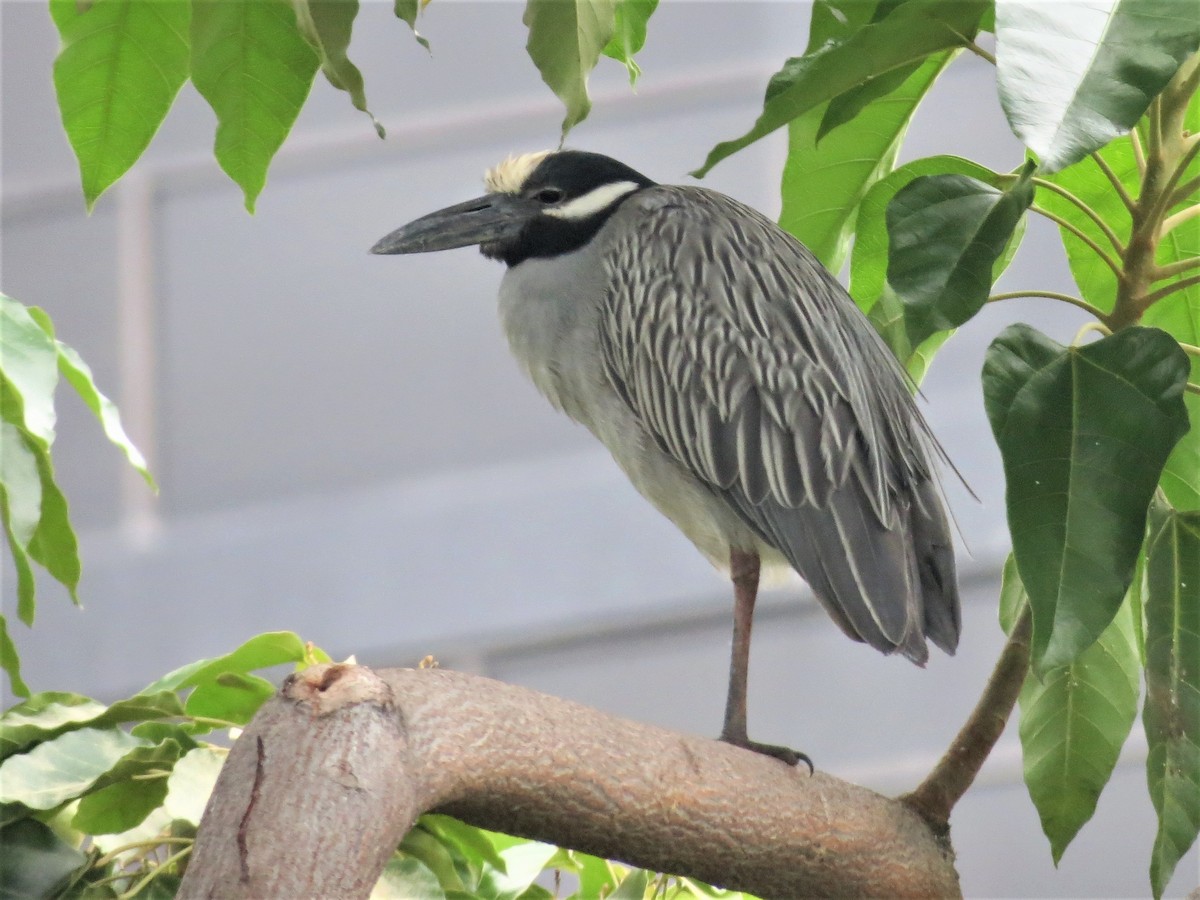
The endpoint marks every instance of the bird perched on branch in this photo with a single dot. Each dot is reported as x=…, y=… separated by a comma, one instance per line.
x=734, y=381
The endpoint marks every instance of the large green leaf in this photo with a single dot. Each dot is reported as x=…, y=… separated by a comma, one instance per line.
x=255, y=70
x=629, y=33
x=945, y=233
x=260, y=652
x=1083, y=432
x=120, y=66
x=191, y=783
x=826, y=178
x=1074, y=720
x=37, y=862
x=1073, y=76
x=128, y=792
x=326, y=25
x=10, y=661
x=566, y=38
x=912, y=32
x=28, y=372
x=51, y=713
x=64, y=767
x=1172, y=711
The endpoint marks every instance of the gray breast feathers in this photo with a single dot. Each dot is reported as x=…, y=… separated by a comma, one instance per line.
x=749, y=364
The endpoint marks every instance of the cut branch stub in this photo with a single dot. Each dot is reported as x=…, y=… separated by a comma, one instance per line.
x=344, y=774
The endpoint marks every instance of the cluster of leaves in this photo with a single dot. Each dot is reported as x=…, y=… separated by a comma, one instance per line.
x=33, y=509
x=103, y=801
x=1090, y=434
x=1101, y=466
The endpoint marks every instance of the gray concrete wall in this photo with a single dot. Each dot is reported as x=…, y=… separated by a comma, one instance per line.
x=346, y=449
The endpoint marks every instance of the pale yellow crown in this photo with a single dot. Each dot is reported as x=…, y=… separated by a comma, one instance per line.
x=508, y=176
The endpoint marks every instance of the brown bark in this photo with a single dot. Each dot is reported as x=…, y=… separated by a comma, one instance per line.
x=332, y=773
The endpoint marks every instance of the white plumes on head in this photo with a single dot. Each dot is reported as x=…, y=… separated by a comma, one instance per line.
x=508, y=176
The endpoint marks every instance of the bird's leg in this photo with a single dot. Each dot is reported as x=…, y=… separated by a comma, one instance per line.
x=743, y=570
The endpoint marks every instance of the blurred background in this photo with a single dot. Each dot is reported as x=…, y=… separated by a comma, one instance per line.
x=345, y=448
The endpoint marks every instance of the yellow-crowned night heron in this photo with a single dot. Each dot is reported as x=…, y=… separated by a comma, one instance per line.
x=732, y=378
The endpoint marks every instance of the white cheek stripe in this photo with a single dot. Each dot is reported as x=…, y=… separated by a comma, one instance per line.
x=593, y=201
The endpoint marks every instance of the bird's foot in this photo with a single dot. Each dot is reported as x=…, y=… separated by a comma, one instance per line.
x=785, y=754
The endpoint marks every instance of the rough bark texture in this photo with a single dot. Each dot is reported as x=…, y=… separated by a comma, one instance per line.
x=332, y=773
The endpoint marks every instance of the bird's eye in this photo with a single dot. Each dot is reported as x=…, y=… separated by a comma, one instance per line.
x=549, y=195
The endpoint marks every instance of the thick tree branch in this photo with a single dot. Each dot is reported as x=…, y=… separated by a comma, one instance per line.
x=956, y=770
x=350, y=758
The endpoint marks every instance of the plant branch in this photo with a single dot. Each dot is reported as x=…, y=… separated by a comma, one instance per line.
x=1114, y=179
x=1074, y=229
x=1184, y=192
x=1050, y=295
x=1170, y=223
x=1192, y=388
x=321, y=786
x=1139, y=155
x=1167, y=290
x=936, y=796
x=1085, y=209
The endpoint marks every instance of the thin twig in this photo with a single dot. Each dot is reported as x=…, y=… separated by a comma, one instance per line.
x=1085, y=209
x=1049, y=295
x=154, y=873
x=1184, y=192
x=1192, y=388
x=1166, y=198
x=1114, y=180
x=1181, y=285
x=1096, y=248
x=935, y=797
x=1190, y=349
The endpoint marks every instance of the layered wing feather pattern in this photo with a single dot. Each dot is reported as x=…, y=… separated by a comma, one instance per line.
x=750, y=365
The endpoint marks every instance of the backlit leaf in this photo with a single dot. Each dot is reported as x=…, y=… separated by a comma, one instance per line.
x=29, y=370
x=255, y=70
x=64, y=767
x=407, y=11
x=120, y=66
x=10, y=661
x=326, y=25
x=566, y=38
x=629, y=33
x=912, y=32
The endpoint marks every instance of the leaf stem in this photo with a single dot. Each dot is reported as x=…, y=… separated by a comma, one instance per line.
x=1050, y=295
x=154, y=873
x=1190, y=349
x=977, y=50
x=1170, y=223
x=134, y=845
x=1074, y=229
x=1139, y=154
x=1191, y=388
x=1176, y=268
x=1181, y=285
x=1184, y=192
x=1085, y=209
x=935, y=797
x=1113, y=179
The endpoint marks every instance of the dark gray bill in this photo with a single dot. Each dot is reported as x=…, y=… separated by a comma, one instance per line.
x=493, y=217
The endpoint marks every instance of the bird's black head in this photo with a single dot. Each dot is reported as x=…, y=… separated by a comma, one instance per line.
x=538, y=205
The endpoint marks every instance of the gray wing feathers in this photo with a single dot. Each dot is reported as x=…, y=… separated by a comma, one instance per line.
x=750, y=365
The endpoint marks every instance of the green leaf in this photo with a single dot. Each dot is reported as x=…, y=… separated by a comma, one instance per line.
x=629, y=33
x=121, y=64
x=10, y=661
x=407, y=878
x=1108, y=62
x=53, y=544
x=231, y=697
x=37, y=862
x=1083, y=432
x=21, y=482
x=434, y=855
x=868, y=262
x=566, y=38
x=1074, y=721
x=407, y=11
x=64, y=767
x=79, y=376
x=1172, y=711
x=29, y=372
x=633, y=887
x=469, y=841
x=842, y=167
x=1012, y=594
x=125, y=795
x=907, y=36
x=260, y=652
x=326, y=25
x=48, y=714
x=945, y=233
x=191, y=783
x=255, y=70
